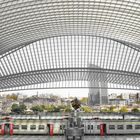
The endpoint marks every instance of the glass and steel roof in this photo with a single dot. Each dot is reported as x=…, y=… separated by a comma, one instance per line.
x=73, y=41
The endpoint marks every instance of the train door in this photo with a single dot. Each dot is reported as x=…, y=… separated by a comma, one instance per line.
x=11, y=126
x=103, y=129
x=2, y=129
x=61, y=129
x=88, y=128
x=83, y=126
x=51, y=129
x=92, y=129
x=7, y=129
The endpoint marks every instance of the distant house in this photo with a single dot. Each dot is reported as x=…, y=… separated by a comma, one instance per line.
x=117, y=102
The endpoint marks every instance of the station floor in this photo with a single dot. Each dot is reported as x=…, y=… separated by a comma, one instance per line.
x=36, y=137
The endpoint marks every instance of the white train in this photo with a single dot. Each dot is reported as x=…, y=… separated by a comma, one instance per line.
x=56, y=125
x=111, y=127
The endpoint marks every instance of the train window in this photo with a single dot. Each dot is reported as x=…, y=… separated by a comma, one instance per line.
x=137, y=126
x=24, y=127
x=98, y=126
x=129, y=126
x=40, y=127
x=120, y=127
x=88, y=127
x=16, y=126
x=32, y=127
x=82, y=125
x=91, y=127
x=111, y=126
x=61, y=127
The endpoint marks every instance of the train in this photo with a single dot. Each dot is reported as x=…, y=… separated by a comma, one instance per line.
x=56, y=125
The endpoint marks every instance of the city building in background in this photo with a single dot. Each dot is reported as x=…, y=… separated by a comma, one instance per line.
x=97, y=95
x=124, y=99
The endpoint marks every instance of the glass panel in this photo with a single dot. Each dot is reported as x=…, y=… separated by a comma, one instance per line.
x=24, y=127
x=111, y=126
x=98, y=126
x=91, y=127
x=16, y=126
x=137, y=126
x=88, y=126
x=120, y=127
x=41, y=127
x=129, y=127
x=32, y=127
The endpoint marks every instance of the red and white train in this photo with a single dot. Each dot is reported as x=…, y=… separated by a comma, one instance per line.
x=56, y=125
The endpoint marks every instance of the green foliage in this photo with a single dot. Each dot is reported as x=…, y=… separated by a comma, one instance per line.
x=43, y=107
x=111, y=109
x=37, y=108
x=68, y=109
x=135, y=110
x=86, y=109
x=13, y=96
x=84, y=100
x=18, y=109
x=14, y=106
x=55, y=97
x=50, y=108
x=124, y=109
x=138, y=102
x=104, y=110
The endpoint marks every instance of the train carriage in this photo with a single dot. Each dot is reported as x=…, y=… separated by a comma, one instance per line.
x=56, y=125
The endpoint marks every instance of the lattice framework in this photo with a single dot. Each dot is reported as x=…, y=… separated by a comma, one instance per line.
x=50, y=41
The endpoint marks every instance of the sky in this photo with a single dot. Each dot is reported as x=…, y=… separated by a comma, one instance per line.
x=75, y=92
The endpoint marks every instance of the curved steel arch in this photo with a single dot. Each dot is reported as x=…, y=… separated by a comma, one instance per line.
x=74, y=58
x=131, y=45
x=76, y=36
x=77, y=74
x=24, y=21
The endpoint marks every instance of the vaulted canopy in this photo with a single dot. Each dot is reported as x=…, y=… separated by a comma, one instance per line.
x=76, y=41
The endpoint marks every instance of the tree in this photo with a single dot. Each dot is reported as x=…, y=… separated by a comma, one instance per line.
x=60, y=108
x=23, y=107
x=13, y=96
x=68, y=109
x=18, y=109
x=37, y=109
x=54, y=97
x=84, y=100
x=135, y=110
x=104, y=110
x=14, y=108
x=124, y=109
x=87, y=109
x=50, y=108
x=111, y=109
x=138, y=102
x=57, y=109
x=43, y=107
